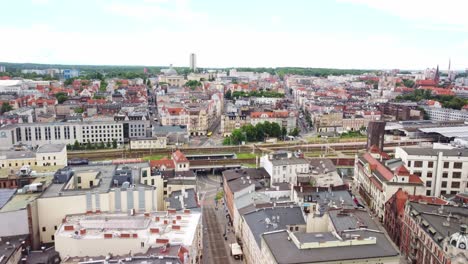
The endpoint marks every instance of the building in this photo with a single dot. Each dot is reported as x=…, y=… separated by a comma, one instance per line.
x=444, y=114
x=375, y=134
x=37, y=134
x=434, y=234
x=232, y=121
x=117, y=234
x=11, y=248
x=282, y=118
x=70, y=73
x=443, y=171
x=395, y=211
x=401, y=111
x=193, y=62
x=45, y=155
x=148, y=143
x=284, y=166
x=377, y=181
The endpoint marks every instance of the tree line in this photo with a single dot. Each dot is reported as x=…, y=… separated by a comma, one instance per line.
x=447, y=101
x=258, y=133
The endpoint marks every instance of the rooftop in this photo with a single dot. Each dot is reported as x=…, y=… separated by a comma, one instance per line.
x=48, y=148
x=435, y=152
x=183, y=199
x=261, y=221
x=8, y=246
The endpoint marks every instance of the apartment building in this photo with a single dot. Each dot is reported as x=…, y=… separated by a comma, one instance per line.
x=282, y=118
x=443, y=171
x=232, y=121
x=377, y=181
x=45, y=155
x=284, y=166
x=148, y=143
x=37, y=134
x=434, y=234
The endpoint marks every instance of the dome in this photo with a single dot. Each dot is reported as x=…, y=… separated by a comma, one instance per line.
x=460, y=239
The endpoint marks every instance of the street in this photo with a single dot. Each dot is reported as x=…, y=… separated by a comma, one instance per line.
x=215, y=247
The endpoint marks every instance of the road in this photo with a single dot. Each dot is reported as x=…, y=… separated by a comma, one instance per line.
x=215, y=247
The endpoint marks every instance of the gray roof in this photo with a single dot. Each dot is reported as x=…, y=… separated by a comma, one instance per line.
x=290, y=161
x=190, y=201
x=289, y=216
x=7, y=250
x=435, y=152
x=259, y=173
x=322, y=165
x=285, y=251
x=436, y=217
x=352, y=219
x=47, y=148
x=24, y=154
x=5, y=196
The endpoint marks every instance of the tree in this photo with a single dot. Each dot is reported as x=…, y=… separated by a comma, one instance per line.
x=61, y=97
x=408, y=83
x=79, y=110
x=284, y=132
x=228, y=95
x=294, y=132
x=114, y=143
x=6, y=107
x=76, y=145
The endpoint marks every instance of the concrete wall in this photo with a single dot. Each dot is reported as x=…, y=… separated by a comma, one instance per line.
x=14, y=223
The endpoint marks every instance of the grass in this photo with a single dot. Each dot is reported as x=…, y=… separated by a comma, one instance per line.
x=250, y=165
x=154, y=157
x=246, y=155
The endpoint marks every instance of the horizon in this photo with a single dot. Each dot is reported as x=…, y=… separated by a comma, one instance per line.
x=338, y=34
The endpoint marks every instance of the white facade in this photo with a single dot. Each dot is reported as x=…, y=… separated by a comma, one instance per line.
x=442, y=171
x=148, y=143
x=444, y=114
x=284, y=170
x=38, y=134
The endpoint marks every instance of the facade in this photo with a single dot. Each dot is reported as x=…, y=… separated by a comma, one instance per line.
x=434, y=234
x=282, y=118
x=395, y=211
x=377, y=181
x=172, y=80
x=444, y=114
x=45, y=155
x=148, y=143
x=37, y=134
x=443, y=171
x=193, y=62
x=375, y=135
x=232, y=121
x=284, y=166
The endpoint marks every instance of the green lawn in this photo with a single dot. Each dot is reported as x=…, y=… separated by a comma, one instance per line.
x=246, y=155
x=250, y=165
x=154, y=157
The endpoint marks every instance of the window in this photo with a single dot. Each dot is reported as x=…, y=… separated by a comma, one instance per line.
x=418, y=164
x=52, y=237
x=456, y=175
x=428, y=183
x=445, y=175
x=430, y=164
x=429, y=175
x=78, y=179
x=443, y=192
x=43, y=229
x=297, y=228
x=455, y=184
x=55, y=227
x=444, y=184
x=446, y=165
x=417, y=173
x=409, y=163
x=457, y=165
x=428, y=192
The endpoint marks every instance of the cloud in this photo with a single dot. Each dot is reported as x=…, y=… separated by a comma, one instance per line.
x=434, y=14
x=174, y=11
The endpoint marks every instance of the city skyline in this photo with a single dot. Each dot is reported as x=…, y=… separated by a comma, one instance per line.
x=347, y=34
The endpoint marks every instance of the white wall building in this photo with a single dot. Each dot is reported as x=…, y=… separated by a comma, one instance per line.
x=284, y=167
x=444, y=171
x=444, y=114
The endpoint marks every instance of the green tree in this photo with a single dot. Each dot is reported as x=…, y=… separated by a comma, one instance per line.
x=294, y=132
x=6, y=107
x=61, y=97
x=408, y=83
x=79, y=110
x=114, y=143
x=76, y=145
x=284, y=132
x=228, y=95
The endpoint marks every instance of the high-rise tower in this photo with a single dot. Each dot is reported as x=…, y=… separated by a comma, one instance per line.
x=193, y=62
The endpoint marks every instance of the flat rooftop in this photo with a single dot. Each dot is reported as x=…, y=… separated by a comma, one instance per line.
x=435, y=152
x=105, y=177
x=48, y=148
x=178, y=228
x=21, y=200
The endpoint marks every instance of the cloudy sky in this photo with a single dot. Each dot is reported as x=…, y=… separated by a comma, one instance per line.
x=371, y=34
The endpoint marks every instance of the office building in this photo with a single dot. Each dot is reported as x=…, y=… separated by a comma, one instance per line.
x=375, y=134
x=443, y=171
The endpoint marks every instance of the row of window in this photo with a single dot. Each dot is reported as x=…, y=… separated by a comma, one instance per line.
x=430, y=164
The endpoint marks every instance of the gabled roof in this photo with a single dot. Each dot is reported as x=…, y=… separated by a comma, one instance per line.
x=178, y=156
x=169, y=164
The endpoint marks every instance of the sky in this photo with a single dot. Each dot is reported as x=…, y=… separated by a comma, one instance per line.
x=359, y=34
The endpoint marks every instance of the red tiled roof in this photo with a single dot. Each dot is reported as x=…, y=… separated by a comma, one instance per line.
x=178, y=156
x=169, y=164
x=415, y=179
x=402, y=171
x=426, y=82
x=427, y=199
x=386, y=173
